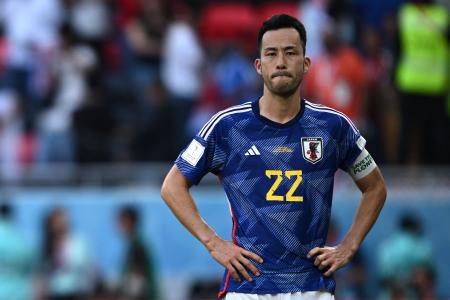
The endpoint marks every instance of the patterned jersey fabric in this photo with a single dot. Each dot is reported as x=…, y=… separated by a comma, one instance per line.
x=278, y=179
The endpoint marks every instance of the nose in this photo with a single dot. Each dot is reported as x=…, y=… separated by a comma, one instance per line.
x=281, y=62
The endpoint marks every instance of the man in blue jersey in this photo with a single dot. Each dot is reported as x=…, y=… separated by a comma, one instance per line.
x=276, y=158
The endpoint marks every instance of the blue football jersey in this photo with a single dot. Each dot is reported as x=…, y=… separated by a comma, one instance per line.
x=278, y=179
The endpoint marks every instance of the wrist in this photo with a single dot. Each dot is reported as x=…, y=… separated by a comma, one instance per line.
x=210, y=241
x=351, y=244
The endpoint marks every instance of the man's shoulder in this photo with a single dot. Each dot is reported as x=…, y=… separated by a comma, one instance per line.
x=225, y=116
x=332, y=116
x=233, y=110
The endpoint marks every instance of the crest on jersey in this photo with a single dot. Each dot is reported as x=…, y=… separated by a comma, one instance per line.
x=312, y=149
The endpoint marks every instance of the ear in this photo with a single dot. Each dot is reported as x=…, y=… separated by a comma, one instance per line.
x=306, y=64
x=257, y=65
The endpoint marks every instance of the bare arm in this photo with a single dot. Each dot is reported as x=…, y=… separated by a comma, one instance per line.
x=175, y=192
x=374, y=193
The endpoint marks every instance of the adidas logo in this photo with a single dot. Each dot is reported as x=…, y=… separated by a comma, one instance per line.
x=252, y=151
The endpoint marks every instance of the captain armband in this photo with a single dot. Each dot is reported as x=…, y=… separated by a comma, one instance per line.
x=363, y=165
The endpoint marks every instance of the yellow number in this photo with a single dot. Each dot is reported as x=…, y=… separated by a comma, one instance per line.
x=270, y=194
x=290, y=194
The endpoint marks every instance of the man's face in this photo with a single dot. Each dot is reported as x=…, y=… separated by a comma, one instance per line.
x=59, y=223
x=125, y=225
x=282, y=63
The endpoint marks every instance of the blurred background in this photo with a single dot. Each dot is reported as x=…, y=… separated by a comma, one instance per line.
x=98, y=97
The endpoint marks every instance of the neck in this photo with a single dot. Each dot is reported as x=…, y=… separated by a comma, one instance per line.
x=280, y=109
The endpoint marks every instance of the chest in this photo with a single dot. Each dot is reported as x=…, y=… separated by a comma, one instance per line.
x=267, y=148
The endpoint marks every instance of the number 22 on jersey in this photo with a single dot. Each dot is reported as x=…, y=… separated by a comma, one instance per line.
x=270, y=196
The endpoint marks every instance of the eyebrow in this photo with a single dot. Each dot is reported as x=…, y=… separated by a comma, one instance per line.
x=284, y=48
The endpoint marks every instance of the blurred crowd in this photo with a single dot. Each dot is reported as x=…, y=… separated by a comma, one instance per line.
x=95, y=81
x=64, y=266
x=404, y=264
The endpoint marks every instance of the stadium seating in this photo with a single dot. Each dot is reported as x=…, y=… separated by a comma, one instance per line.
x=238, y=22
x=228, y=22
x=267, y=10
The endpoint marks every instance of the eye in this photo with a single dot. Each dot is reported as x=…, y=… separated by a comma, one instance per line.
x=290, y=53
x=270, y=53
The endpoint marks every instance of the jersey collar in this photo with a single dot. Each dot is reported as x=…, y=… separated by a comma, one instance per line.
x=255, y=108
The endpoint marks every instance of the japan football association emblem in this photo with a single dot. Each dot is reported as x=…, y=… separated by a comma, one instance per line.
x=312, y=149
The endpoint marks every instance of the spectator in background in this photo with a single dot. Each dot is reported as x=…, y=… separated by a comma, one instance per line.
x=382, y=103
x=370, y=13
x=17, y=264
x=11, y=166
x=68, y=266
x=138, y=278
x=344, y=22
x=143, y=41
x=72, y=66
x=235, y=75
x=229, y=76
x=401, y=255
x=32, y=37
x=154, y=113
x=3, y=48
x=91, y=21
x=337, y=78
x=423, y=282
x=380, y=16
x=422, y=79
x=94, y=126
x=182, y=66
x=314, y=15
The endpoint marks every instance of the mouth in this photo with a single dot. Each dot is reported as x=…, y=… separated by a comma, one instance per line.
x=280, y=74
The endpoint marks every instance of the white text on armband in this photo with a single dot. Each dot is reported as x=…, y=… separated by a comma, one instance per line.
x=362, y=166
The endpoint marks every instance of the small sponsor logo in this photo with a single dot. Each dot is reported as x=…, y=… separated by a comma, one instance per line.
x=252, y=151
x=283, y=149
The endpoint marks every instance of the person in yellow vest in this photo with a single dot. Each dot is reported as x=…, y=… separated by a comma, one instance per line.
x=422, y=79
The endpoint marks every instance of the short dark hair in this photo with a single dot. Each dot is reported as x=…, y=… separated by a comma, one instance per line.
x=282, y=21
x=130, y=213
x=411, y=223
x=6, y=210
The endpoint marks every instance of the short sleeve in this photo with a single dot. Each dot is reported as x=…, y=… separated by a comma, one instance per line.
x=351, y=143
x=201, y=156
